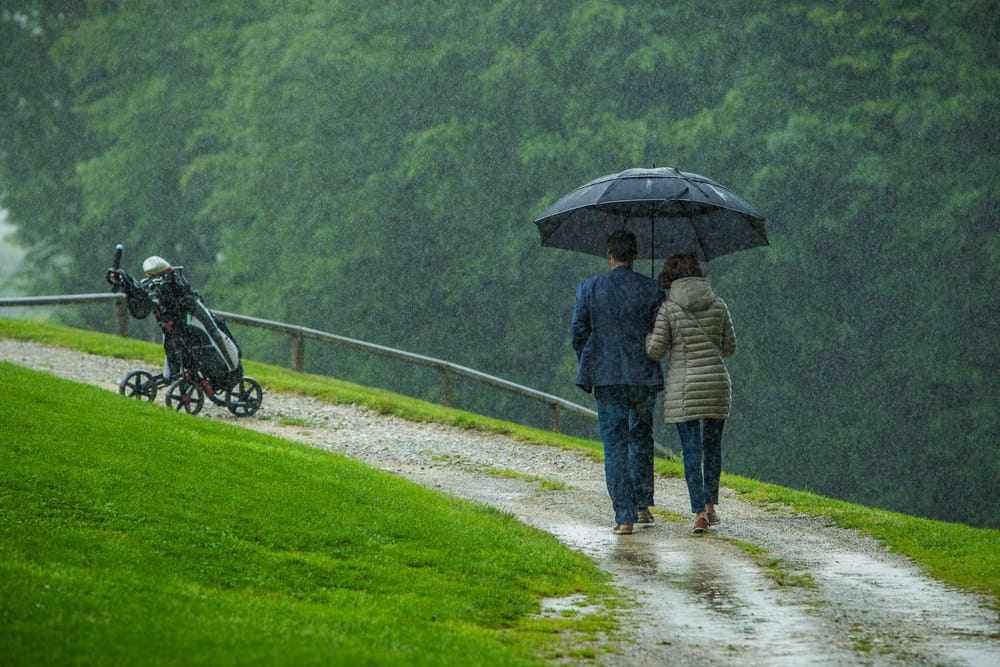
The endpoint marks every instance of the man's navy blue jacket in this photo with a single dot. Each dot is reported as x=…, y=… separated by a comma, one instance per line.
x=613, y=314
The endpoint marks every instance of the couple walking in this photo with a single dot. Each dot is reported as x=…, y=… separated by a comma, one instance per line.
x=623, y=324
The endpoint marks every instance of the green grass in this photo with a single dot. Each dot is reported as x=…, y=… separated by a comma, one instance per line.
x=956, y=554
x=776, y=569
x=131, y=534
x=965, y=557
x=505, y=473
x=543, y=482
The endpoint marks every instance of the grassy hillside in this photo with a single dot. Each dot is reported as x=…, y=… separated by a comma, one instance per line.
x=130, y=534
x=957, y=554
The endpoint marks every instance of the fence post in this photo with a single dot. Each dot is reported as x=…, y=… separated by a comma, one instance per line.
x=121, y=317
x=554, y=425
x=298, y=352
x=444, y=378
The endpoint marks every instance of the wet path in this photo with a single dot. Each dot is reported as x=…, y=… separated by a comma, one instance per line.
x=708, y=594
x=841, y=600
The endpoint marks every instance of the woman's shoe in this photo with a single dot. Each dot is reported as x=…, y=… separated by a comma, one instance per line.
x=713, y=518
x=622, y=529
x=700, y=525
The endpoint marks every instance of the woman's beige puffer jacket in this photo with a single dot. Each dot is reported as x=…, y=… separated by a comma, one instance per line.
x=698, y=385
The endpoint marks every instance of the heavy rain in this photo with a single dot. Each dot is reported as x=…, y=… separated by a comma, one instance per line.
x=374, y=171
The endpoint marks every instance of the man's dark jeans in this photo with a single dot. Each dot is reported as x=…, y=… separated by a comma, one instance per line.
x=701, y=443
x=625, y=418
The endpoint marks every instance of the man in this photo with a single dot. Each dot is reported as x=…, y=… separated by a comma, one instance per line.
x=612, y=316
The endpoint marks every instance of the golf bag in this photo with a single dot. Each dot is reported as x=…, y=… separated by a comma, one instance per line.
x=194, y=338
x=202, y=342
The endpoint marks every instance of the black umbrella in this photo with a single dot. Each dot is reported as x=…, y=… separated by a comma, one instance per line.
x=669, y=211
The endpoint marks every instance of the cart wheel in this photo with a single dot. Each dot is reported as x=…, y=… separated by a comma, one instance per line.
x=245, y=397
x=138, y=384
x=186, y=395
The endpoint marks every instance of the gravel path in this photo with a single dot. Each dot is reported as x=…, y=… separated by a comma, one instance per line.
x=700, y=600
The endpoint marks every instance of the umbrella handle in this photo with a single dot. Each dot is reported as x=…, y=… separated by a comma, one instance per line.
x=652, y=248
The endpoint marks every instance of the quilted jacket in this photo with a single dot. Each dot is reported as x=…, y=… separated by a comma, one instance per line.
x=694, y=327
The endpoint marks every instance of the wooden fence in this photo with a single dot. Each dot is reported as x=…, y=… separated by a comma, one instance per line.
x=447, y=371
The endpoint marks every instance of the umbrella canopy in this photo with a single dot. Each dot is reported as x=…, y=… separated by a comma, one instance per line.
x=668, y=210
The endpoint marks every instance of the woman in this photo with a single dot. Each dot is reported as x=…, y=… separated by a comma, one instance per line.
x=694, y=326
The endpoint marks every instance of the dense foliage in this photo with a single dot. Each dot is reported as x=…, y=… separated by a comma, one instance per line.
x=373, y=170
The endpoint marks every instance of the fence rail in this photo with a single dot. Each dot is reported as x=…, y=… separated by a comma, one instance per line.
x=447, y=371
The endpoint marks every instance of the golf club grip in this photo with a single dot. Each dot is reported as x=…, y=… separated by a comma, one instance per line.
x=118, y=257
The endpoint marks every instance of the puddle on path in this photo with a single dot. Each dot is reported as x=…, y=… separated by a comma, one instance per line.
x=571, y=605
x=690, y=598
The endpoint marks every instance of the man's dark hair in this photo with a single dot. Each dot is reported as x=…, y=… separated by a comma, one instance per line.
x=622, y=246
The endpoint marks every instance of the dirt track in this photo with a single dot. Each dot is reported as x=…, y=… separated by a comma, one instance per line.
x=700, y=600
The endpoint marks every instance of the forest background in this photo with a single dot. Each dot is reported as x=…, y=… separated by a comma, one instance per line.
x=373, y=170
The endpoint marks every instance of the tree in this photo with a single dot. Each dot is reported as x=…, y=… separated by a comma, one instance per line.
x=373, y=170
x=43, y=138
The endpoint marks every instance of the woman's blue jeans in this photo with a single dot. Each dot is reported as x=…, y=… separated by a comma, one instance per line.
x=701, y=443
x=625, y=419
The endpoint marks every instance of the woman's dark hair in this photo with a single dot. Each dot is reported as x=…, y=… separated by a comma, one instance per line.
x=680, y=266
x=622, y=245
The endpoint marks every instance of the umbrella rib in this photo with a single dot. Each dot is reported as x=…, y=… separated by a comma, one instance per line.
x=701, y=243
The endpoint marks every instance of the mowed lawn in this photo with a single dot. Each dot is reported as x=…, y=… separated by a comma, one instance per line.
x=133, y=535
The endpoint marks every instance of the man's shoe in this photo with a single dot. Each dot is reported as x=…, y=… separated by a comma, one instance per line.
x=700, y=525
x=713, y=518
x=645, y=516
x=622, y=529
